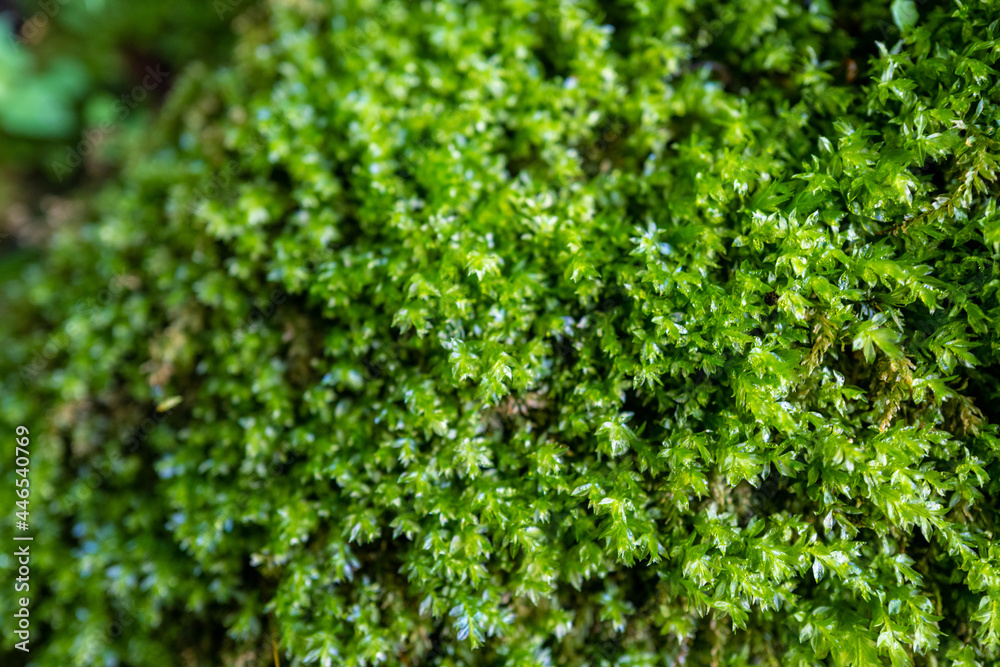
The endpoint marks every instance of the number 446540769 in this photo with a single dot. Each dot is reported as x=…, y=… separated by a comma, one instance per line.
x=21, y=453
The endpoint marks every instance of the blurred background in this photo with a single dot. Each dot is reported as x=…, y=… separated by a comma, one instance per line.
x=79, y=79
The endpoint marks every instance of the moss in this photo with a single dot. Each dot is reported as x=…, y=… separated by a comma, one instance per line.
x=501, y=333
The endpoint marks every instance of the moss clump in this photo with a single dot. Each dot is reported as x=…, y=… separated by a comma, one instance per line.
x=509, y=333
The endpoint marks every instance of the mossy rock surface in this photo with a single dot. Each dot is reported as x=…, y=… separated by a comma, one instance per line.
x=519, y=333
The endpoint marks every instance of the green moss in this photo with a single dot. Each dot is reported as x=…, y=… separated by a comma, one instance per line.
x=604, y=334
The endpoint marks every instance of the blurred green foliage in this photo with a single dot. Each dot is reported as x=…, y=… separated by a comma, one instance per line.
x=520, y=333
x=37, y=104
x=63, y=63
